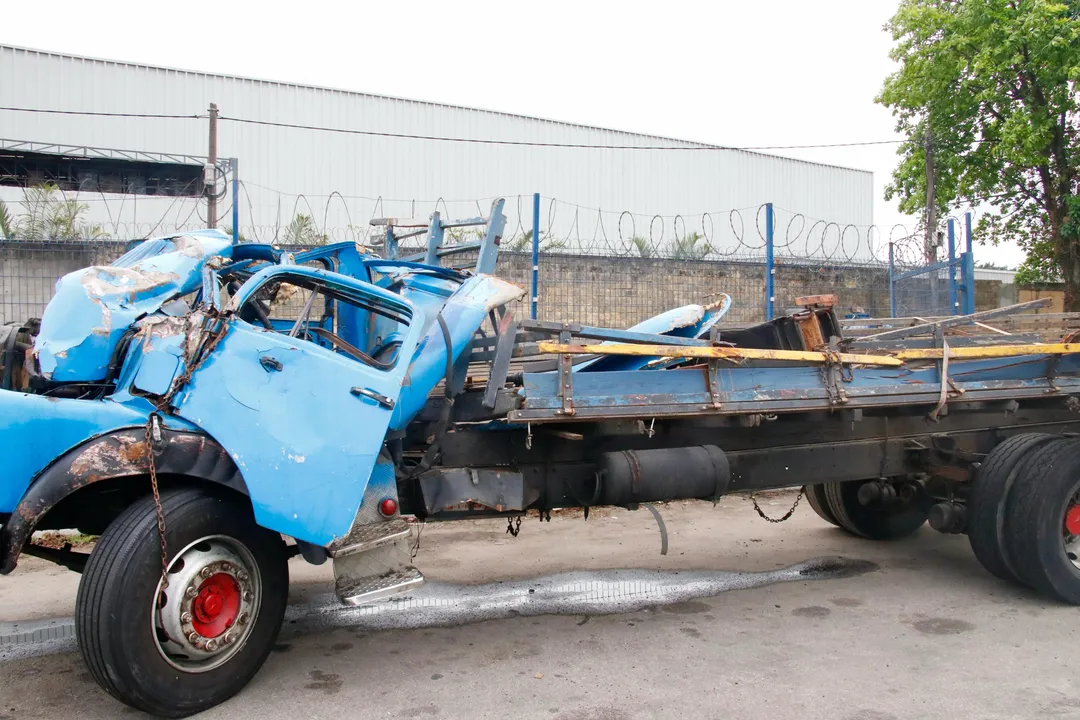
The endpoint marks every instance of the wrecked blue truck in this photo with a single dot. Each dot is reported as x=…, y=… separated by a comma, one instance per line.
x=213, y=409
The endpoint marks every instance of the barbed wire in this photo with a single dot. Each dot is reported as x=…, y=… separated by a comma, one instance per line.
x=734, y=234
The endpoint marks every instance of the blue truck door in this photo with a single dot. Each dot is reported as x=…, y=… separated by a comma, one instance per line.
x=303, y=422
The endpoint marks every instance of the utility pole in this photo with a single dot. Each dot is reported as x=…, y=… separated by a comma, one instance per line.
x=211, y=196
x=931, y=207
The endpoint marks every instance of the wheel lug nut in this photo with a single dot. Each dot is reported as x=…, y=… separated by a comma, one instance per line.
x=243, y=619
x=230, y=638
x=206, y=572
x=185, y=618
x=212, y=645
x=248, y=596
x=242, y=576
x=191, y=592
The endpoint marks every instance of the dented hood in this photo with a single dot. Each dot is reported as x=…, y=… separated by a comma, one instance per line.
x=93, y=307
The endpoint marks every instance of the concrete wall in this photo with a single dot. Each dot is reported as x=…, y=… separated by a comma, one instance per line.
x=1055, y=292
x=622, y=291
x=605, y=291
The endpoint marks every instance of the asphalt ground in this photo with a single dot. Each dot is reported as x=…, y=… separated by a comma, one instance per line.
x=925, y=633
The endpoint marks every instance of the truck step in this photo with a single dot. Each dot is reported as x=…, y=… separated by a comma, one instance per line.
x=376, y=573
x=362, y=538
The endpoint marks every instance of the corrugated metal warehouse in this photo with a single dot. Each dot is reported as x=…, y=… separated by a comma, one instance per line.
x=338, y=178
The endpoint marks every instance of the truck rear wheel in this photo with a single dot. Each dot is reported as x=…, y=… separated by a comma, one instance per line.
x=876, y=520
x=986, y=504
x=1042, y=523
x=815, y=495
x=178, y=648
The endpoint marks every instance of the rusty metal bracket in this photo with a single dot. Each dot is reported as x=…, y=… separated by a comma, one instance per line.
x=566, y=375
x=833, y=374
x=884, y=451
x=1051, y=373
x=712, y=384
x=500, y=366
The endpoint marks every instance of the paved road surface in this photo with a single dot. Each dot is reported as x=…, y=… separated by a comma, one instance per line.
x=928, y=635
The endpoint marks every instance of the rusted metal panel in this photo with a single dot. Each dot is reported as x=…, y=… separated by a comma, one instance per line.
x=120, y=454
x=453, y=489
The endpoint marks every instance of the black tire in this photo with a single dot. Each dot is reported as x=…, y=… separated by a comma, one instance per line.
x=113, y=615
x=1048, y=481
x=987, y=502
x=873, y=523
x=815, y=495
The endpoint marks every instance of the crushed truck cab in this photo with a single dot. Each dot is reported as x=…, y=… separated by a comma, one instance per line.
x=211, y=410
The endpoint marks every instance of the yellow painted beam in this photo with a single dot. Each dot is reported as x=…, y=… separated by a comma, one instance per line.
x=992, y=351
x=721, y=353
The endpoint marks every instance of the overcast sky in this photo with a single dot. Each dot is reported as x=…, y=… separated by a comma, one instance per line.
x=785, y=72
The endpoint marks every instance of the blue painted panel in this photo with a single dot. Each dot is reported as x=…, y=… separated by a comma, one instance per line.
x=37, y=429
x=157, y=370
x=284, y=410
x=690, y=321
x=792, y=382
x=94, y=306
x=464, y=312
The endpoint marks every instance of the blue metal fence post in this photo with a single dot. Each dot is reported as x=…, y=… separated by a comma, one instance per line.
x=953, y=307
x=534, y=293
x=233, y=163
x=770, y=296
x=969, y=265
x=892, y=282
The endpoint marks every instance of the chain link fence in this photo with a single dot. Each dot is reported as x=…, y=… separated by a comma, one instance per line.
x=596, y=267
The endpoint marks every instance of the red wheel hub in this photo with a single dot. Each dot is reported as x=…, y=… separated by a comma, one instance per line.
x=215, y=608
x=1072, y=520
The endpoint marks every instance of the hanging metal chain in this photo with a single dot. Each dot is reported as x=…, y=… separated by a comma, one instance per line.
x=211, y=335
x=153, y=435
x=513, y=528
x=786, y=515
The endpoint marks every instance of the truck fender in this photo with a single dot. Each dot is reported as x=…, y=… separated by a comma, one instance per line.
x=120, y=453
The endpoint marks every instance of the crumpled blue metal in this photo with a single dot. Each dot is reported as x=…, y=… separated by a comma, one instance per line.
x=93, y=307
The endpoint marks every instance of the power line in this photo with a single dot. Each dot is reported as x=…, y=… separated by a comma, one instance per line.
x=531, y=143
x=476, y=141
x=102, y=114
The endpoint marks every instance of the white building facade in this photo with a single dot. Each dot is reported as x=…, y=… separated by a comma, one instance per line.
x=340, y=180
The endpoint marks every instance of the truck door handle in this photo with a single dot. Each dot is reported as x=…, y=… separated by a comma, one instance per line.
x=372, y=395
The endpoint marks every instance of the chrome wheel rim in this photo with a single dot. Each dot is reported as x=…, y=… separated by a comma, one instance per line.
x=1070, y=530
x=204, y=610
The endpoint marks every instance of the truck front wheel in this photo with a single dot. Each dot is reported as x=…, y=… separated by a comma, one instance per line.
x=177, y=644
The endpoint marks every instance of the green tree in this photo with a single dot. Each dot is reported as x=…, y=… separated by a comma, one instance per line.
x=690, y=247
x=993, y=84
x=49, y=215
x=523, y=242
x=303, y=231
x=7, y=222
x=642, y=246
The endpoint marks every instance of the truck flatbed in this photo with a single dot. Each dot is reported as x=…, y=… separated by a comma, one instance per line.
x=197, y=401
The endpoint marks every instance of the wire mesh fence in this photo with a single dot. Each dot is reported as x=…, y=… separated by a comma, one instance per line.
x=29, y=271
x=595, y=266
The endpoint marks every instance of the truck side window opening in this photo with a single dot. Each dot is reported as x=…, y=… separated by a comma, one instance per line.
x=309, y=311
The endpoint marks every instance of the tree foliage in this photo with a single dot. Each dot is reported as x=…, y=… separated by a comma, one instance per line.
x=7, y=222
x=994, y=85
x=303, y=231
x=47, y=214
